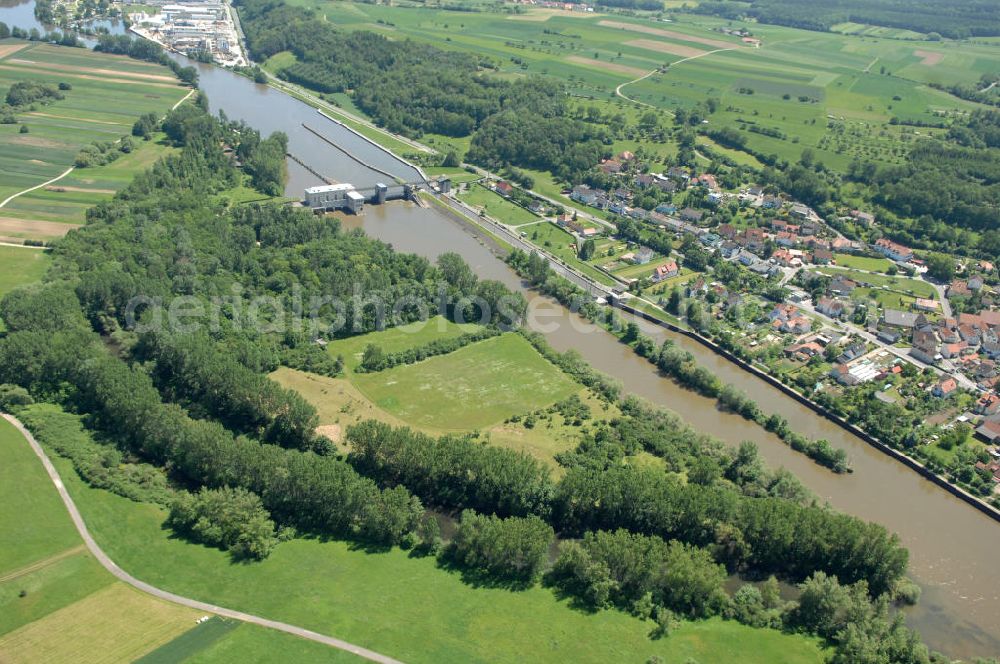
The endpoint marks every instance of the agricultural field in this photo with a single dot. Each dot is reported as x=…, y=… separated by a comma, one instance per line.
x=337, y=588
x=57, y=131
x=835, y=93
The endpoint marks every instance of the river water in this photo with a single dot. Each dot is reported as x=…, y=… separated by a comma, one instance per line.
x=954, y=549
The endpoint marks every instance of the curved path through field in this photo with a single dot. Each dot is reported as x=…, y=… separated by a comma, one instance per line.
x=37, y=186
x=618, y=90
x=122, y=575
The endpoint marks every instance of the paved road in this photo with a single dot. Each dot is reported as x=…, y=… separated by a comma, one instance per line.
x=122, y=575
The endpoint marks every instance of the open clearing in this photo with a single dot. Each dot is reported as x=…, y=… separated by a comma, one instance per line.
x=10, y=49
x=112, y=625
x=396, y=339
x=19, y=266
x=23, y=228
x=504, y=375
x=665, y=47
x=669, y=34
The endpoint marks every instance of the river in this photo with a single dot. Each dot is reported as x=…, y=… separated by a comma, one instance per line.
x=954, y=549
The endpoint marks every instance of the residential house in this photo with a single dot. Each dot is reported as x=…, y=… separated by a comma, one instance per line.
x=852, y=352
x=924, y=304
x=728, y=231
x=866, y=218
x=945, y=387
x=772, y=203
x=801, y=211
x=831, y=307
x=989, y=431
x=503, y=188
x=925, y=346
x=889, y=336
x=893, y=250
x=900, y=319
x=842, y=287
x=948, y=351
x=803, y=351
x=691, y=215
x=665, y=271
x=785, y=258
x=988, y=404
x=643, y=255
x=584, y=194
x=696, y=287
x=729, y=249
x=708, y=181
x=666, y=208
x=714, y=198
x=679, y=174
x=611, y=167
x=785, y=239
x=958, y=288
x=822, y=257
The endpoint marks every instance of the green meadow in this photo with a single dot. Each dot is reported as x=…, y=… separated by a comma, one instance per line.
x=399, y=604
x=497, y=206
x=476, y=386
x=108, y=94
x=399, y=338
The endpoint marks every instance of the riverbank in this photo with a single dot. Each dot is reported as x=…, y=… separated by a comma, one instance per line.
x=908, y=461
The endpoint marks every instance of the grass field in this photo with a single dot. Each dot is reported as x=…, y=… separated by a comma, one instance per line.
x=115, y=624
x=72, y=608
x=57, y=131
x=21, y=266
x=903, y=285
x=396, y=339
x=867, y=263
x=503, y=375
x=181, y=647
x=497, y=206
x=405, y=606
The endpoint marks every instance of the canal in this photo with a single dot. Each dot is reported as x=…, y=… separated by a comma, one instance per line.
x=954, y=549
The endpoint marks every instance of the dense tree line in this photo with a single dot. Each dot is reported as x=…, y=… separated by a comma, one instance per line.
x=949, y=186
x=763, y=534
x=193, y=370
x=231, y=519
x=514, y=549
x=451, y=472
x=375, y=359
x=640, y=574
x=957, y=19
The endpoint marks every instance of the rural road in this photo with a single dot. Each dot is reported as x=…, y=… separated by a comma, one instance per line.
x=618, y=90
x=37, y=186
x=124, y=576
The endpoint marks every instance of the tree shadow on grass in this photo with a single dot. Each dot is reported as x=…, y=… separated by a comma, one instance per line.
x=481, y=578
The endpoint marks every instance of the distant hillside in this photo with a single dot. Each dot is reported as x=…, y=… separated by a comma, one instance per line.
x=955, y=19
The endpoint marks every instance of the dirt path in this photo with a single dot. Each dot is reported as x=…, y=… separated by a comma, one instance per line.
x=37, y=186
x=618, y=90
x=40, y=564
x=122, y=575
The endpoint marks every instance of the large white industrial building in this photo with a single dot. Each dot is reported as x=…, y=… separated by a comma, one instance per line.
x=341, y=196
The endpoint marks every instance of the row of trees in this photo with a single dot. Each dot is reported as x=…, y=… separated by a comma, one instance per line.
x=194, y=370
x=375, y=359
x=451, y=472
